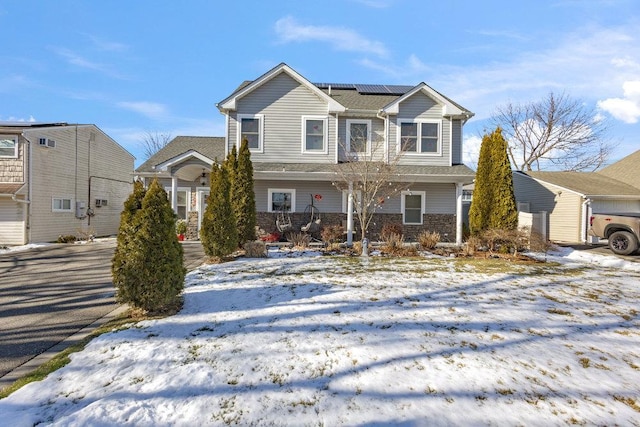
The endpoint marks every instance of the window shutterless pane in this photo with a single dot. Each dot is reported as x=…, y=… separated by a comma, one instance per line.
x=7, y=147
x=281, y=201
x=408, y=136
x=430, y=129
x=413, y=201
x=251, y=131
x=358, y=137
x=315, y=135
x=412, y=216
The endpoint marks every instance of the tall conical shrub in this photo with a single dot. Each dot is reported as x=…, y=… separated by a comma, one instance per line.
x=120, y=268
x=483, y=190
x=504, y=212
x=155, y=263
x=494, y=204
x=242, y=195
x=218, y=233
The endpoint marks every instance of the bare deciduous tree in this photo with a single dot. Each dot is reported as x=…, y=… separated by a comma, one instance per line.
x=557, y=132
x=154, y=142
x=372, y=175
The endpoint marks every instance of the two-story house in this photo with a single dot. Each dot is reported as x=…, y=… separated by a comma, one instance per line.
x=60, y=179
x=299, y=133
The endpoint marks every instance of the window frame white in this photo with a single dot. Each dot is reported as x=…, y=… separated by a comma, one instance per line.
x=423, y=198
x=348, y=135
x=15, y=140
x=270, y=193
x=62, y=208
x=325, y=134
x=260, y=118
x=357, y=200
x=419, y=123
x=188, y=200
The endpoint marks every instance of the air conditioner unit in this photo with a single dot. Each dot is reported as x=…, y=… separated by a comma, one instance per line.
x=98, y=203
x=46, y=142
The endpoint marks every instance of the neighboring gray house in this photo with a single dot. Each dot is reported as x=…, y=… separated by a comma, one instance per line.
x=299, y=132
x=569, y=198
x=60, y=179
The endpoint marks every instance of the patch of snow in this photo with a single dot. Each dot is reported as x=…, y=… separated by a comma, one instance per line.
x=303, y=339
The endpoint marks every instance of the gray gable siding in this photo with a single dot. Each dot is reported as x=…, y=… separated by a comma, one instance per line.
x=283, y=102
x=421, y=107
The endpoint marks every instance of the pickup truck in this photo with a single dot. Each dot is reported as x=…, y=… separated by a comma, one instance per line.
x=621, y=230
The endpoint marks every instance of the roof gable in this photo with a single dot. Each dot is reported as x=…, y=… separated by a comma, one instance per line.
x=449, y=108
x=229, y=103
x=626, y=170
x=206, y=147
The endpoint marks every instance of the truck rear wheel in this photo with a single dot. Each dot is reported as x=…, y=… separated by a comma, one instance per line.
x=623, y=243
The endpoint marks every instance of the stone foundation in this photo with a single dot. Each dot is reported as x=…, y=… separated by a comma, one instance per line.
x=445, y=224
x=192, y=226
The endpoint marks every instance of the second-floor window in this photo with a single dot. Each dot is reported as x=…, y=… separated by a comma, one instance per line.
x=314, y=135
x=9, y=146
x=419, y=137
x=250, y=127
x=358, y=136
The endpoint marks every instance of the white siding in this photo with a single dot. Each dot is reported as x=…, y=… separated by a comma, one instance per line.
x=12, y=222
x=283, y=102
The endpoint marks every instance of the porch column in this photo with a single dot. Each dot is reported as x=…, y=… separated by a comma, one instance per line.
x=174, y=193
x=350, y=215
x=458, y=214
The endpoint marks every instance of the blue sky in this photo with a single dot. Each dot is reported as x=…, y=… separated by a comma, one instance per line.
x=133, y=67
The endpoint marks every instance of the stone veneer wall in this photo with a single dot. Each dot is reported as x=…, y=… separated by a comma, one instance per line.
x=192, y=226
x=445, y=224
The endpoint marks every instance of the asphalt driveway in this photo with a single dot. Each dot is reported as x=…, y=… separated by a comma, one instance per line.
x=50, y=293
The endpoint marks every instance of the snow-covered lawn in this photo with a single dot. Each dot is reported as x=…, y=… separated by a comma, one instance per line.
x=313, y=340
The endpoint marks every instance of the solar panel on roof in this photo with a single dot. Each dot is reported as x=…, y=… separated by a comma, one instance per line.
x=334, y=85
x=398, y=89
x=371, y=89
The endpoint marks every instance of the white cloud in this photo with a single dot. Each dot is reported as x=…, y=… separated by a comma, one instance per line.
x=626, y=109
x=289, y=30
x=107, y=45
x=471, y=150
x=14, y=119
x=152, y=110
x=82, y=62
x=413, y=70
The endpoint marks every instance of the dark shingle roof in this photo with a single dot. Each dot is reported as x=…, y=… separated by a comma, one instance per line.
x=587, y=183
x=209, y=146
x=626, y=170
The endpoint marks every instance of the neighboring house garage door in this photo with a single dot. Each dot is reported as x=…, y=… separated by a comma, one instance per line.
x=11, y=223
x=615, y=206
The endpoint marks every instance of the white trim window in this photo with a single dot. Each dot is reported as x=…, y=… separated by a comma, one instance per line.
x=281, y=200
x=251, y=126
x=9, y=146
x=315, y=134
x=357, y=200
x=413, y=207
x=359, y=136
x=419, y=136
x=184, y=201
x=60, y=204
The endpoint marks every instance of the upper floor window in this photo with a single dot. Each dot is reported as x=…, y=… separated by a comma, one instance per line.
x=250, y=127
x=9, y=146
x=358, y=136
x=413, y=206
x=419, y=137
x=314, y=135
